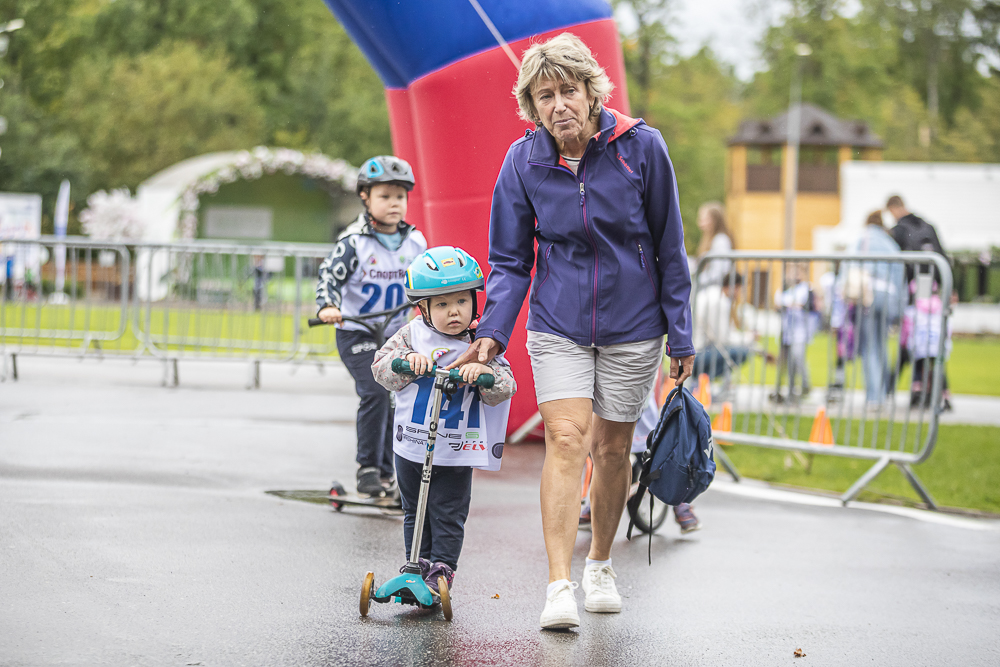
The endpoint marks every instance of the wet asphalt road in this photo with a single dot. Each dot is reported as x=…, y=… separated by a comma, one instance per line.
x=135, y=530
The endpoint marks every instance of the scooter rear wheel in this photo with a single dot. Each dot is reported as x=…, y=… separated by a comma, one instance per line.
x=445, y=597
x=366, y=593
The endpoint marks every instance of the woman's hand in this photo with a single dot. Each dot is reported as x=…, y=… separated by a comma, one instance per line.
x=470, y=372
x=331, y=315
x=419, y=364
x=682, y=368
x=482, y=351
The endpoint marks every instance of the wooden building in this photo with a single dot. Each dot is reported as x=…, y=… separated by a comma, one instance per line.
x=756, y=176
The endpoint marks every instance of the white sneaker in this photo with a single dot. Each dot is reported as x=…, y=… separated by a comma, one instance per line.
x=599, y=585
x=560, y=608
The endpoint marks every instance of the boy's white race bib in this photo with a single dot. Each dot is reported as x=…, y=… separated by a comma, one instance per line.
x=469, y=432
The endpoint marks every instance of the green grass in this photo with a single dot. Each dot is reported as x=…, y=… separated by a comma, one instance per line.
x=962, y=471
x=970, y=366
x=190, y=329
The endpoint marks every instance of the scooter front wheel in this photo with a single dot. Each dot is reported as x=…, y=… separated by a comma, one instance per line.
x=366, y=593
x=445, y=597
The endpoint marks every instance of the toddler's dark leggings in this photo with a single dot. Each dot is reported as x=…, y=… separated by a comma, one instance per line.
x=447, y=509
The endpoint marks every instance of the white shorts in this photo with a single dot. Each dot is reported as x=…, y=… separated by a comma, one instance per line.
x=617, y=378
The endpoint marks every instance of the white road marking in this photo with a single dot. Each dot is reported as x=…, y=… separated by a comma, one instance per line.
x=752, y=489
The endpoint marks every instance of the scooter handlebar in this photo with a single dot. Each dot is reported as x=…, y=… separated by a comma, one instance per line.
x=402, y=366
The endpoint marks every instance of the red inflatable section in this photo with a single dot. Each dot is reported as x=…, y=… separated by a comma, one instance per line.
x=455, y=126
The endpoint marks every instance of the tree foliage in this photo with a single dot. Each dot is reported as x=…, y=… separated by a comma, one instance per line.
x=922, y=73
x=107, y=93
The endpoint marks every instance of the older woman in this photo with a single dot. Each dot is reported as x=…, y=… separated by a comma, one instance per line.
x=597, y=191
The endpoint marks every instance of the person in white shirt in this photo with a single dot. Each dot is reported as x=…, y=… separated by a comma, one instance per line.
x=719, y=343
x=715, y=238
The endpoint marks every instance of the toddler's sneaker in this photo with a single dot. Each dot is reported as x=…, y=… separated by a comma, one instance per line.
x=560, y=608
x=369, y=483
x=438, y=570
x=599, y=585
x=686, y=519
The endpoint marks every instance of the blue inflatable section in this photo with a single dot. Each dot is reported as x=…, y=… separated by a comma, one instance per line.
x=406, y=39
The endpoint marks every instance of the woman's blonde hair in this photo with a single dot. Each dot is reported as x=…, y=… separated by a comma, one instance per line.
x=717, y=214
x=563, y=58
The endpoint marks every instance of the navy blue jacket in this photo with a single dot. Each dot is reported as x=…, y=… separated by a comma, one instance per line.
x=610, y=261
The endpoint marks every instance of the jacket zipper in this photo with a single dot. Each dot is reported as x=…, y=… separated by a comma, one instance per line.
x=597, y=259
x=642, y=260
x=548, y=251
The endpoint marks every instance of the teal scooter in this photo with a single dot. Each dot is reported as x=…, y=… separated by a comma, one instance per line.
x=409, y=587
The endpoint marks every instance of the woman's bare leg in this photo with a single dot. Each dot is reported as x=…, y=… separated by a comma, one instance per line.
x=567, y=441
x=609, y=486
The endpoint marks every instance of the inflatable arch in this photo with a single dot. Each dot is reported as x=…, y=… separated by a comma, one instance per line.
x=449, y=67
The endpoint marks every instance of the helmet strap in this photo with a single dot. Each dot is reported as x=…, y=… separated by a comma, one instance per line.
x=469, y=330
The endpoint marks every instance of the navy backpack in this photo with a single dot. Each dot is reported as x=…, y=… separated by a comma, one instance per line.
x=677, y=464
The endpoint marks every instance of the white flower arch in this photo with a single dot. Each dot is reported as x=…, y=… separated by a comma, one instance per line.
x=251, y=165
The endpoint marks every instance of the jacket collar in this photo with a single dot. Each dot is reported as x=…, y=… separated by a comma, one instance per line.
x=613, y=124
x=361, y=226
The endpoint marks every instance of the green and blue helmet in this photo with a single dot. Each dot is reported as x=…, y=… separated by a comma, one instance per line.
x=443, y=270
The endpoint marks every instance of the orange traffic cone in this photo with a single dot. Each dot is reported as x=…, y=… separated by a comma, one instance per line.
x=665, y=389
x=724, y=421
x=704, y=391
x=822, y=432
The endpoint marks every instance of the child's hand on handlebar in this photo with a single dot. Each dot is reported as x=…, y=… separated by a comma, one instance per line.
x=331, y=315
x=470, y=372
x=419, y=364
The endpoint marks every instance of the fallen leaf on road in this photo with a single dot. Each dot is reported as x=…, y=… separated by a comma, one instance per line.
x=496, y=597
x=799, y=653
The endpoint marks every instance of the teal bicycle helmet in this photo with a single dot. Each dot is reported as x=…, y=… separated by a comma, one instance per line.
x=443, y=270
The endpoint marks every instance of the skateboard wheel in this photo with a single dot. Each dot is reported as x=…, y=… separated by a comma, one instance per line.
x=366, y=593
x=337, y=489
x=445, y=598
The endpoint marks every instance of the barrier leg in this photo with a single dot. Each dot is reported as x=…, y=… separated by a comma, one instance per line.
x=254, y=382
x=171, y=376
x=872, y=473
x=916, y=484
x=13, y=366
x=526, y=428
x=724, y=459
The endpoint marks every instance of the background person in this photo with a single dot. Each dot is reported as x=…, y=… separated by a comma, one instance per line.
x=799, y=321
x=715, y=238
x=913, y=234
x=364, y=274
x=611, y=279
x=721, y=345
x=885, y=288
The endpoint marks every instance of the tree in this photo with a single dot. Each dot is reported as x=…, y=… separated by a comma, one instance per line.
x=137, y=115
x=646, y=49
x=695, y=104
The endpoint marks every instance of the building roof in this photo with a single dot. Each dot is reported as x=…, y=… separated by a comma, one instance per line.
x=818, y=128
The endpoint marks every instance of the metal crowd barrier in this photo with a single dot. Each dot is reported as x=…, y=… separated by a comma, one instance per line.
x=169, y=301
x=839, y=354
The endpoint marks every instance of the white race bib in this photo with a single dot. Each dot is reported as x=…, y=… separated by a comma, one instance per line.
x=469, y=432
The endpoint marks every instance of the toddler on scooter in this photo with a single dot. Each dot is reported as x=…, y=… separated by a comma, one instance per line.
x=364, y=274
x=472, y=427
